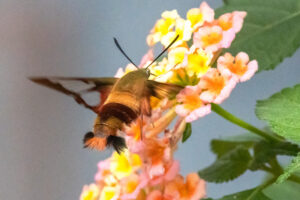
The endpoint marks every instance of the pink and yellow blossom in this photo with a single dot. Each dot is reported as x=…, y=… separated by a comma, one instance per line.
x=197, y=16
x=239, y=66
x=196, y=61
x=192, y=189
x=167, y=172
x=232, y=20
x=182, y=29
x=132, y=186
x=191, y=107
x=147, y=59
x=110, y=193
x=90, y=192
x=161, y=71
x=122, y=165
x=213, y=38
x=147, y=170
x=162, y=27
x=215, y=86
x=176, y=55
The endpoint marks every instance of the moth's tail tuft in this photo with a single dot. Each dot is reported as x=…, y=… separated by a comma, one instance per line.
x=118, y=143
x=92, y=142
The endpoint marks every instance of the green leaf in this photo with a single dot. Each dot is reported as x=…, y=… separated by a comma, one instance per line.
x=271, y=30
x=187, y=132
x=221, y=147
x=284, y=191
x=292, y=167
x=282, y=112
x=228, y=167
x=264, y=152
x=252, y=194
x=246, y=137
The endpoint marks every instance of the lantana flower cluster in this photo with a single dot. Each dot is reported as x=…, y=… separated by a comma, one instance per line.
x=147, y=170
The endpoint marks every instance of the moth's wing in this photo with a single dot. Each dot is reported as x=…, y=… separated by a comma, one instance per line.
x=163, y=90
x=101, y=85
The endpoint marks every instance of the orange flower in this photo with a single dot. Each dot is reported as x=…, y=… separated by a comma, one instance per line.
x=213, y=38
x=216, y=87
x=192, y=189
x=233, y=20
x=192, y=106
x=239, y=66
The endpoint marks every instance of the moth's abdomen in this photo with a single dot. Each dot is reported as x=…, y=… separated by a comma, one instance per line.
x=117, y=110
x=129, y=100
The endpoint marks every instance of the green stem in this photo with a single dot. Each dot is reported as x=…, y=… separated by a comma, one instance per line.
x=261, y=187
x=295, y=178
x=230, y=117
x=277, y=170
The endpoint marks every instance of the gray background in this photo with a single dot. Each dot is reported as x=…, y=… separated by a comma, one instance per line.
x=41, y=154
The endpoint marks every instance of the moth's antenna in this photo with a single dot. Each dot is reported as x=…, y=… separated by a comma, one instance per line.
x=119, y=47
x=163, y=51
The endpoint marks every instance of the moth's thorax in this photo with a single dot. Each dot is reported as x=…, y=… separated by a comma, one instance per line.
x=129, y=90
x=123, y=104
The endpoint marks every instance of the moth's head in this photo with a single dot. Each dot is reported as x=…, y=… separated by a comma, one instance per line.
x=146, y=71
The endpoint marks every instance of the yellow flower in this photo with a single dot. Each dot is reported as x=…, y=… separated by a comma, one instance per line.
x=183, y=29
x=89, y=192
x=162, y=26
x=162, y=71
x=122, y=165
x=176, y=55
x=109, y=193
x=198, y=62
x=195, y=16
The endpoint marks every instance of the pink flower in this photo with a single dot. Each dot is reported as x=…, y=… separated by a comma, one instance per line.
x=208, y=12
x=166, y=173
x=147, y=59
x=213, y=38
x=192, y=106
x=233, y=20
x=216, y=87
x=240, y=67
x=129, y=68
x=103, y=170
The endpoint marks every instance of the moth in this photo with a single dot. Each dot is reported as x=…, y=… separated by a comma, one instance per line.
x=122, y=101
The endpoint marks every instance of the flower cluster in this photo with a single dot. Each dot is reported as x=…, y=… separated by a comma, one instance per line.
x=147, y=170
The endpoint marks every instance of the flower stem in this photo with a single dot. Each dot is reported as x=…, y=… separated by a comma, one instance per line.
x=230, y=117
x=295, y=179
x=277, y=170
x=262, y=187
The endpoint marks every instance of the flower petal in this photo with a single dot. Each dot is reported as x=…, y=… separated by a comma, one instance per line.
x=200, y=112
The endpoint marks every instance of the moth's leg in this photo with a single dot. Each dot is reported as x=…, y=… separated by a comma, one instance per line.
x=152, y=123
x=141, y=126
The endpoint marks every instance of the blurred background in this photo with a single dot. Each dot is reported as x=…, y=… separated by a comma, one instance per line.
x=41, y=154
